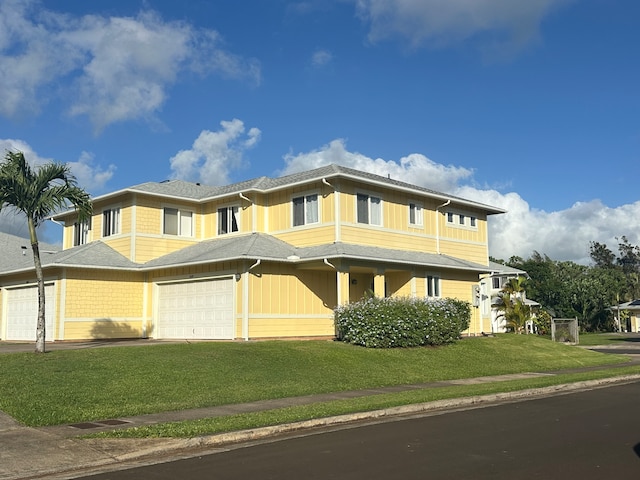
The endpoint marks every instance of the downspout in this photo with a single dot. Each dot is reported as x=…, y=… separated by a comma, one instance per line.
x=338, y=293
x=438, y=225
x=336, y=211
x=253, y=214
x=245, y=301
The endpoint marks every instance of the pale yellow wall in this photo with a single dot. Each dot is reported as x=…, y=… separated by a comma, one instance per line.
x=247, y=211
x=381, y=237
x=308, y=236
x=284, y=302
x=280, y=207
x=459, y=285
x=274, y=327
x=103, y=304
x=147, y=247
x=399, y=284
x=283, y=290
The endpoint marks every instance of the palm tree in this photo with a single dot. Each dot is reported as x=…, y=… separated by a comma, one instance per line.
x=512, y=306
x=39, y=193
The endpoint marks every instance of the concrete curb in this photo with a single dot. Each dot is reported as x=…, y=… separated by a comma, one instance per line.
x=104, y=455
x=408, y=410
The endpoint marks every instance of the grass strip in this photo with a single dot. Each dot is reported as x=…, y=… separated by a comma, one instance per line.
x=91, y=384
x=231, y=423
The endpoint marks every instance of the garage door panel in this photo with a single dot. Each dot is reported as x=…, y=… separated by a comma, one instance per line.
x=198, y=310
x=22, y=313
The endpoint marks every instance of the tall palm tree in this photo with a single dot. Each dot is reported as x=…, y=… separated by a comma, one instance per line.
x=39, y=193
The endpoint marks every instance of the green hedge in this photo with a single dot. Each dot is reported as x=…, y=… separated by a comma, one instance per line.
x=402, y=321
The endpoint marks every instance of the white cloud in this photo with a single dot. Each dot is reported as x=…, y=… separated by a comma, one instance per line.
x=437, y=23
x=320, y=58
x=562, y=235
x=214, y=154
x=414, y=168
x=119, y=68
x=90, y=177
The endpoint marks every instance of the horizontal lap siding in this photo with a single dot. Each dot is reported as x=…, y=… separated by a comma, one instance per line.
x=306, y=237
x=378, y=237
x=148, y=248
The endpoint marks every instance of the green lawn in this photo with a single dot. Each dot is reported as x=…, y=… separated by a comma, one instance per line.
x=611, y=338
x=93, y=384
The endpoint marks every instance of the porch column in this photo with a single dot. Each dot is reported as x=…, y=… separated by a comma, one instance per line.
x=342, y=284
x=378, y=284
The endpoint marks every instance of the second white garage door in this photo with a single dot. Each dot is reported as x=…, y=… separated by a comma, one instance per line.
x=198, y=310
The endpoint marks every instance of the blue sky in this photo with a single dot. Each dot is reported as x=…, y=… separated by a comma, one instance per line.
x=529, y=106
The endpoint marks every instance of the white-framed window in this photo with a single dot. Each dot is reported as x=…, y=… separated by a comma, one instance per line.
x=368, y=209
x=496, y=282
x=458, y=219
x=415, y=214
x=228, y=220
x=110, y=222
x=81, y=232
x=177, y=222
x=433, y=286
x=305, y=209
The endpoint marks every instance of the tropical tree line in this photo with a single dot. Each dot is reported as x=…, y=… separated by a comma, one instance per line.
x=566, y=289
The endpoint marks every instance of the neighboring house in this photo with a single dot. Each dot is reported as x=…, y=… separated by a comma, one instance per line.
x=265, y=258
x=629, y=322
x=490, y=288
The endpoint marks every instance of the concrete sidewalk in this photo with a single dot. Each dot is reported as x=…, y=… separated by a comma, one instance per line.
x=57, y=452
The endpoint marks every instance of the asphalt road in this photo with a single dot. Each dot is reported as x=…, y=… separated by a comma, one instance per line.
x=587, y=435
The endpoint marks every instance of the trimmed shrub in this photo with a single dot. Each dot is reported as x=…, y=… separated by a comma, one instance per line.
x=402, y=321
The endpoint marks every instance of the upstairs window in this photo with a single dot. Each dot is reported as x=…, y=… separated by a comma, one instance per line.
x=369, y=209
x=305, y=210
x=178, y=222
x=110, y=222
x=433, y=286
x=81, y=233
x=462, y=220
x=228, y=220
x=415, y=214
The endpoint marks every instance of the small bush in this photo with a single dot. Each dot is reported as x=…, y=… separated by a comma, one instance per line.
x=402, y=322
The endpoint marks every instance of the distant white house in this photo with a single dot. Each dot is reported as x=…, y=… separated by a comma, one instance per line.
x=630, y=322
x=491, y=286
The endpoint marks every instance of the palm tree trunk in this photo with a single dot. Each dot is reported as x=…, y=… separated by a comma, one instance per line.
x=40, y=328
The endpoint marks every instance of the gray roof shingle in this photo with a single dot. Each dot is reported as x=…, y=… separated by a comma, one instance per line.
x=201, y=193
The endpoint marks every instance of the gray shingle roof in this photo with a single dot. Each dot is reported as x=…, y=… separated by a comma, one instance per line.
x=201, y=193
x=259, y=246
x=17, y=253
x=255, y=246
x=387, y=255
x=501, y=269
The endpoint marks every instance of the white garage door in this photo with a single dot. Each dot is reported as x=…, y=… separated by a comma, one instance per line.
x=22, y=313
x=201, y=309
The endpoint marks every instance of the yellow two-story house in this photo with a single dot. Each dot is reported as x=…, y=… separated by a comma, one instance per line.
x=265, y=258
